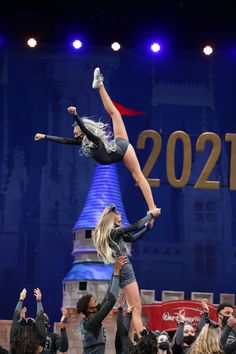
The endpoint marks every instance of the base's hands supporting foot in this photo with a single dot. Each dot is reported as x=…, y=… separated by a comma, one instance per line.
x=97, y=79
x=72, y=110
x=155, y=212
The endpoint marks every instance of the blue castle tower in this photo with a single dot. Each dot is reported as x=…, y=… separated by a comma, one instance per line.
x=88, y=274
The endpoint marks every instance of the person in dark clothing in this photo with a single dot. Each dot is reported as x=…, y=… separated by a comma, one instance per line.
x=95, y=142
x=3, y=351
x=227, y=322
x=91, y=328
x=186, y=334
x=146, y=344
x=27, y=335
x=110, y=242
x=53, y=341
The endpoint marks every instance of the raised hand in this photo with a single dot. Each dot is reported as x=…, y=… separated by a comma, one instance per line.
x=205, y=305
x=23, y=294
x=180, y=316
x=72, y=110
x=119, y=264
x=65, y=315
x=38, y=294
x=39, y=136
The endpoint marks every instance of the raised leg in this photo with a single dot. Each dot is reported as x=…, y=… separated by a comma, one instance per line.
x=119, y=129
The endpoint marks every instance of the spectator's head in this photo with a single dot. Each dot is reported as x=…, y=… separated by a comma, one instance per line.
x=26, y=339
x=87, y=305
x=208, y=340
x=224, y=311
x=189, y=334
x=163, y=341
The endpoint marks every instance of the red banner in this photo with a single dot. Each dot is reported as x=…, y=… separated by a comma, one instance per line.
x=163, y=316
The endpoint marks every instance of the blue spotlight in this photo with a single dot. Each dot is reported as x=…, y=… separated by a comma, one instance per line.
x=77, y=44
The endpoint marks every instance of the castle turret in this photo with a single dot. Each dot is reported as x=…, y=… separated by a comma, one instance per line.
x=89, y=274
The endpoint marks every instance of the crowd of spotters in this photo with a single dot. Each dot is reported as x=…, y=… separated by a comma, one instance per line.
x=32, y=336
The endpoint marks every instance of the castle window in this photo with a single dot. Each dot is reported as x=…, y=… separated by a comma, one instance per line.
x=199, y=218
x=88, y=233
x=210, y=206
x=198, y=206
x=211, y=217
x=82, y=285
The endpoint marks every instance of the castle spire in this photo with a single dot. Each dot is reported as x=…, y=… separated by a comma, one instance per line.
x=88, y=273
x=104, y=190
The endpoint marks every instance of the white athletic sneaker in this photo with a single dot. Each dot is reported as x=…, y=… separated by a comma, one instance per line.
x=97, y=79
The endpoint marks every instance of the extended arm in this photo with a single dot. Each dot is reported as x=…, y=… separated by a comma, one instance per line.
x=202, y=321
x=179, y=336
x=40, y=315
x=107, y=305
x=16, y=316
x=121, y=231
x=85, y=130
x=136, y=236
x=58, y=139
x=63, y=140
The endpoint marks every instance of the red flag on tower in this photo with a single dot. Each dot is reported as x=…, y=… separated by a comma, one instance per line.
x=127, y=111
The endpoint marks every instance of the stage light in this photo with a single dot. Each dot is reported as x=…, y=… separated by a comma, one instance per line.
x=155, y=47
x=32, y=42
x=207, y=50
x=115, y=46
x=77, y=44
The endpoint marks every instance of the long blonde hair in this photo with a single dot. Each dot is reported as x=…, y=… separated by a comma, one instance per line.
x=207, y=342
x=98, y=129
x=102, y=238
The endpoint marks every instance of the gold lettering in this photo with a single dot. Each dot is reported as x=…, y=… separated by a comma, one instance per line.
x=157, y=143
x=202, y=181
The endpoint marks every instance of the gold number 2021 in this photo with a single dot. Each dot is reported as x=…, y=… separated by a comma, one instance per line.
x=213, y=150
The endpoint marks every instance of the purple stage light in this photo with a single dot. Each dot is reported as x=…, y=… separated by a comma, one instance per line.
x=77, y=44
x=155, y=47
